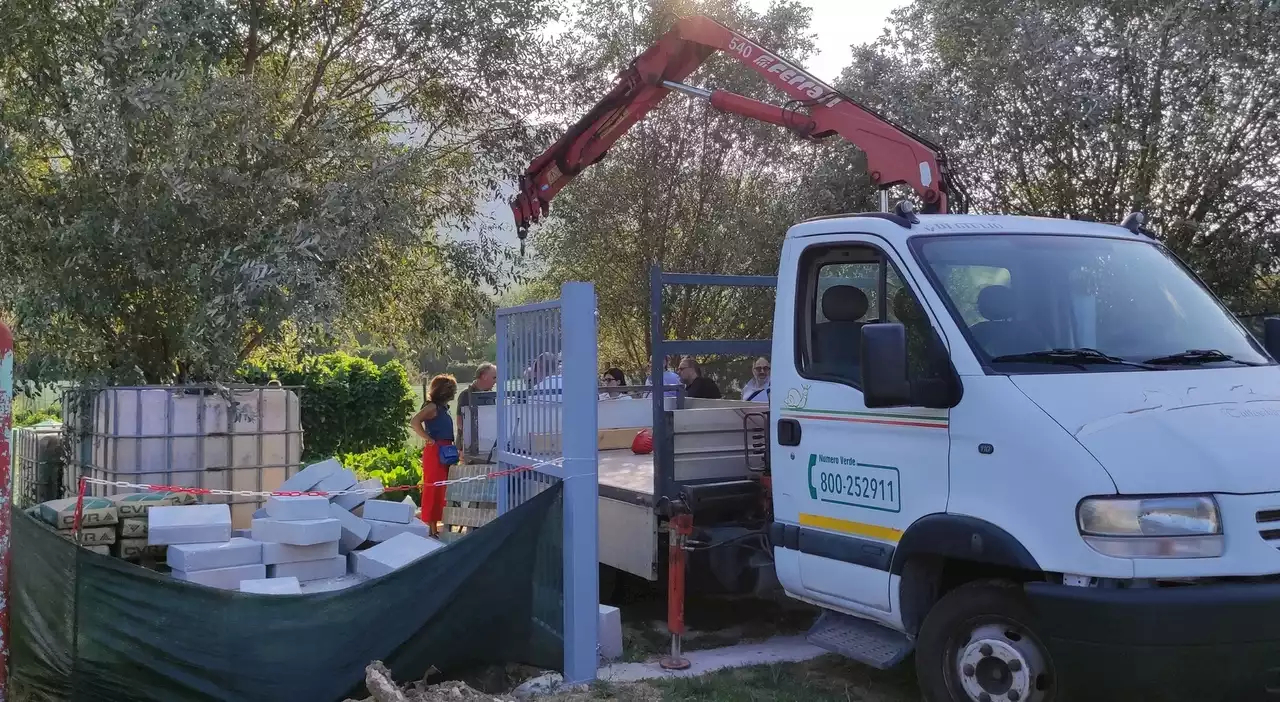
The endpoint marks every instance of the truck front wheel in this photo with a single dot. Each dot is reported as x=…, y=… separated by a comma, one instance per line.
x=979, y=644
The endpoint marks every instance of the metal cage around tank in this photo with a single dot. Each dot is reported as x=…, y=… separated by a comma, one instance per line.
x=235, y=437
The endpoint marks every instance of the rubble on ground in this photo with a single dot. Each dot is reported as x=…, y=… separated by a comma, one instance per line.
x=383, y=689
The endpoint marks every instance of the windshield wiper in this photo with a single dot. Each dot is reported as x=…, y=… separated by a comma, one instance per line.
x=1196, y=357
x=1070, y=357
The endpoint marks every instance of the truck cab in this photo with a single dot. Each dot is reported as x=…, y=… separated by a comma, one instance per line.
x=1037, y=453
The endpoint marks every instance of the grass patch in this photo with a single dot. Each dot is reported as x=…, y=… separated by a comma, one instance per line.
x=825, y=679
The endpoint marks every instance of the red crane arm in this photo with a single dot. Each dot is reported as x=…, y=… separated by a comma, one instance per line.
x=894, y=155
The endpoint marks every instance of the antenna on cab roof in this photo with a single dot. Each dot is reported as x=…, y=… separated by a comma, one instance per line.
x=1133, y=222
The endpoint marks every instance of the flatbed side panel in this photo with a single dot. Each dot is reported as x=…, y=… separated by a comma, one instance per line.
x=629, y=538
x=710, y=443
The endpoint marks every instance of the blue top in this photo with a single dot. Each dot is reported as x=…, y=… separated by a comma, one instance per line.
x=441, y=427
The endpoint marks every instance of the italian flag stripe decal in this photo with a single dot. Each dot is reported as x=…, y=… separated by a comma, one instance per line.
x=897, y=420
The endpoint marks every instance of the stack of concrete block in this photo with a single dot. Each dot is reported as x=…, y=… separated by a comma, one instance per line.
x=315, y=543
x=330, y=476
x=200, y=546
x=98, y=519
x=394, y=553
x=388, y=519
x=300, y=539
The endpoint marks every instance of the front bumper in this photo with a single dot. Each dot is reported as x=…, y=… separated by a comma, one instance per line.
x=1200, y=642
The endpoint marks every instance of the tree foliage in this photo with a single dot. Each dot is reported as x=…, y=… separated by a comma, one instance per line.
x=181, y=181
x=1095, y=109
x=689, y=188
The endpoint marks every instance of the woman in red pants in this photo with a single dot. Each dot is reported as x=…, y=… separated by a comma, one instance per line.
x=434, y=425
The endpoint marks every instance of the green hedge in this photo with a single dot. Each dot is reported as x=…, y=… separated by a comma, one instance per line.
x=28, y=417
x=395, y=468
x=349, y=404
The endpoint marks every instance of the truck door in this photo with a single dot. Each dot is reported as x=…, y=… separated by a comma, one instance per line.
x=848, y=480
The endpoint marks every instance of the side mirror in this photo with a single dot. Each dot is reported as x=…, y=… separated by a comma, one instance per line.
x=884, y=365
x=1271, y=336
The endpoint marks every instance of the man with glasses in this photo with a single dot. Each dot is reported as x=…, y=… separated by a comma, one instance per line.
x=695, y=384
x=757, y=389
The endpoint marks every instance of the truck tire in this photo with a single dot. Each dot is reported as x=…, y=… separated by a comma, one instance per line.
x=979, y=644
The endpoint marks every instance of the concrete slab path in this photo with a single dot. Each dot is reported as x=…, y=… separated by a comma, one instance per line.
x=780, y=649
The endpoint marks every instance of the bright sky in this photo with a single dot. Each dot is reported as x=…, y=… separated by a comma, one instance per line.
x=840, y=24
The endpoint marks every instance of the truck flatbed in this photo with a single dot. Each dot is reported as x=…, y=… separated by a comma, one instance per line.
x=626, y=476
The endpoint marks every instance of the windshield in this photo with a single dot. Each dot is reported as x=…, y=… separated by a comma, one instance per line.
x=1035, y=303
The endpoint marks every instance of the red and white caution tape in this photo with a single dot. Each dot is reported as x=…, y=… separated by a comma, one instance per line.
x=150, y=487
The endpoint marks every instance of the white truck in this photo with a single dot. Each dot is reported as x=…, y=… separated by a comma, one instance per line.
x=1039, y=454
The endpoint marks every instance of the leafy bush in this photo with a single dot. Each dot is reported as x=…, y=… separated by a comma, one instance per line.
x=395, y=468
x=349, y=404
x=28, y=417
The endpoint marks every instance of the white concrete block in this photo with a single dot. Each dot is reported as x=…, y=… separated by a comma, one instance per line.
x=310, y=570
x=609, y=632
x=341, y=582
x=236, y=552
x=342, y=480
x=272, y=586
x=298, y=508
x=188, y=524
x=355, y=530
x=350, y=502
x=224, y=578
x=387, y=511
x=309, y=477
x=382, y=531
x=274, y=554
x=396, y=552
x=303, y=532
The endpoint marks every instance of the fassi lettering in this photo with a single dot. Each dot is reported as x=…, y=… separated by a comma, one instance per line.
x=795, y=77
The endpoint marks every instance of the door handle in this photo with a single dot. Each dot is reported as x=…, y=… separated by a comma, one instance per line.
x=788, y=432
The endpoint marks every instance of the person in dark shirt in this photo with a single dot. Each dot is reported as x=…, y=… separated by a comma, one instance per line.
x=695, y=385
x=486, y=378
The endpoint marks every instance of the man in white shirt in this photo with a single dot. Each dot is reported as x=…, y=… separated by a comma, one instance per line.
x=757, y=389
x=547, y=378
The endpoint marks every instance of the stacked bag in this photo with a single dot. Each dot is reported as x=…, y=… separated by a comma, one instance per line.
x=131, y=527
x=98, y=521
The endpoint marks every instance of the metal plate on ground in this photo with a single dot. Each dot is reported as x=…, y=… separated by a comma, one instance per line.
x=862, y=640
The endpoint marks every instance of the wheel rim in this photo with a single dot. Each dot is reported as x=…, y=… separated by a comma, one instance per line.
x=999, y=661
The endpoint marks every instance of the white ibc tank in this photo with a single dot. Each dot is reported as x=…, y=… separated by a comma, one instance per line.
x=191, y=437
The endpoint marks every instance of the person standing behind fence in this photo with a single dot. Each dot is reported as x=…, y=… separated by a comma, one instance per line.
x=757, y=389
x=613, y=378
x=486, y=378
x=695, y=383
x=433, y=425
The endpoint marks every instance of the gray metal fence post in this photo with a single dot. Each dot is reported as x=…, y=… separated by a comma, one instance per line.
x=581, y=556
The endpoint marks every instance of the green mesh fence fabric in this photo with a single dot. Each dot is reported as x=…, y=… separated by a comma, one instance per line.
x=87, y=627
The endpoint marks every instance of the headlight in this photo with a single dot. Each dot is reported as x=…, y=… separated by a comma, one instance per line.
x=1155, y=527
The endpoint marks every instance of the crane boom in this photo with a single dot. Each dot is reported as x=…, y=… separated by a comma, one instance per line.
x=816, y=111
